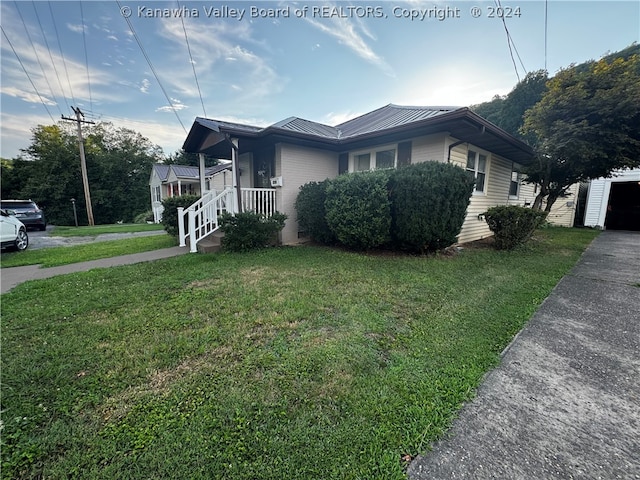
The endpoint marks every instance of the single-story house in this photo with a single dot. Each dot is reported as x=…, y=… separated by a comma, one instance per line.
x=286, y=155
x=177, y=180
x=614, y=203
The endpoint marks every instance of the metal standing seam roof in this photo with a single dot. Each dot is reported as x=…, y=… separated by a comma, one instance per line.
x=187, y=171
x=161, y=170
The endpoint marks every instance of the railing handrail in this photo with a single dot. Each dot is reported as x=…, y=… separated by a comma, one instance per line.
x=202, y=215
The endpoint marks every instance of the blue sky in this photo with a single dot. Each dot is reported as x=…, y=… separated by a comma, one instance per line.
x=325, y=61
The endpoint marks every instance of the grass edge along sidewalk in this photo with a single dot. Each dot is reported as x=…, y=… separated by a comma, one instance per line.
x=298, y=362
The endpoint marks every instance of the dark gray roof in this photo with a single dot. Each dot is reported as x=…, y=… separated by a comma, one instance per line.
x=389, y=116
x=187, y=171
x=389, y=123
x=161, y=170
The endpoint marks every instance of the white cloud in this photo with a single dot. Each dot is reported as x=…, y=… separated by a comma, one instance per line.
x=336, y=118
x=145, y=85
x=176, y=105
x=77, y=28
x=27, y=96
x=350, y=34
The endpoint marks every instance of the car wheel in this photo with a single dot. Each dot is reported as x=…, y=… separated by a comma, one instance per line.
x=22, y=240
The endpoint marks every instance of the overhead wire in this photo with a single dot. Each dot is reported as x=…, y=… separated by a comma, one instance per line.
x=510, y=42
x=86, y=55
x=27, y=74
x=193, y=64
x=64, y=62
x=44, y=36
x=35, y=51
x=153, y=70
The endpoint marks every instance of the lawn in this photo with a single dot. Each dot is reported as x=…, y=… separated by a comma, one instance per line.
x=90, y=231
x=300, y=362
x=54, y=256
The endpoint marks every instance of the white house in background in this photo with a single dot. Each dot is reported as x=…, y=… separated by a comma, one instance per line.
x=177, y=180
x=614, y=203
x=562, y=212
x=276, y=161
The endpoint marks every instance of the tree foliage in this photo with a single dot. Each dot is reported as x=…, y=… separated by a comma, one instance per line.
x=118, y=164
x=184, y=158
x=587, y=125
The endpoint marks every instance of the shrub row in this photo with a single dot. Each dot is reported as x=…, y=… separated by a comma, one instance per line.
x=416, y=208
x=248, y=230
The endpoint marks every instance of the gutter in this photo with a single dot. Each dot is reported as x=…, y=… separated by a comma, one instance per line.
x=452, y=146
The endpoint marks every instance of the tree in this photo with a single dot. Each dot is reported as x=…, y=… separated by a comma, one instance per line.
x=118, y=163
x=508, y=112
x=586, y=125
x=183, y=158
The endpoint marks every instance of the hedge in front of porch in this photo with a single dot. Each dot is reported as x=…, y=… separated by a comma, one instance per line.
x=170, y=213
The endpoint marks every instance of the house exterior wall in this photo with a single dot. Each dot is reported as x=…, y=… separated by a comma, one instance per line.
x=598, y=196
x=156, y=206
x=429, y=148
x=496, y=192
x=562, y=212
x=299, y=165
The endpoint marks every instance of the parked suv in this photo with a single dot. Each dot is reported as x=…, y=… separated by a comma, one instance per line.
x=13, y=233
x=26, y=211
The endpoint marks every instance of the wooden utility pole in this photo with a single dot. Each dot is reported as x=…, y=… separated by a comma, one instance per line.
x=83, y=163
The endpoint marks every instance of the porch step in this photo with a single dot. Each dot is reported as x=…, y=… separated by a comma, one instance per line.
x=210, y=244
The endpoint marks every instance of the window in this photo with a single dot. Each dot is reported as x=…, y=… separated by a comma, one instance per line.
x=514, y=187
x=378, y=160
x=385, y=159
x=363, y=162
x=156, y=194
x=477, y=167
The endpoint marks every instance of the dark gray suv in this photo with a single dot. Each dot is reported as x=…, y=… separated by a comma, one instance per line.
x=27, y=212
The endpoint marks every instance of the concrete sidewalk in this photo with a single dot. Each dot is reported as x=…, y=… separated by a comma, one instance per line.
x=10, y=277
x=565, y=400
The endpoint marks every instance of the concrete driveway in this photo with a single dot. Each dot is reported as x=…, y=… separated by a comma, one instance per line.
x=565, y=400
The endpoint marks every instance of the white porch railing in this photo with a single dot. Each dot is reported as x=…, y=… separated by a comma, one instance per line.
x=259, y=200
x=202, y=216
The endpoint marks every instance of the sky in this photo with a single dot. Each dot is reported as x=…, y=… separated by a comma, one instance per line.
x=154, y=66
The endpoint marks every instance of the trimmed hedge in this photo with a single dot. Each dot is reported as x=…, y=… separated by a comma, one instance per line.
x=248, y=230
x=311, y=212
x=428, y=205
x=513, y=225
x=358, y=210
x=170, y=213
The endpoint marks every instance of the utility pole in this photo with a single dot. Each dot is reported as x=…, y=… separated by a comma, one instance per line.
x=83, y=163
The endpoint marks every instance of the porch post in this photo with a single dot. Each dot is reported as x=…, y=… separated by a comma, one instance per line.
x=202, y=182
x=179, y=188
x=236, y=174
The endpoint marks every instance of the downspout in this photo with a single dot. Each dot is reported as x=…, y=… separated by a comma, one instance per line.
x=451, y=147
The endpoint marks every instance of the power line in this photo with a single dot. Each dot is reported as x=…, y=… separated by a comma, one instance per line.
x=546, y=25
x=193, y=65
x=64, y=62
x=50, y=55
x=27, y=74
x=153, y=70
x=44, y=74
x=86, y=55
x=510, y=42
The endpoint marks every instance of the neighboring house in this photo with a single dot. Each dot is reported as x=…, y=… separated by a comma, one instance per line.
x=176, y=180
x=614, y=203
x=562, y=212
x=295, y=151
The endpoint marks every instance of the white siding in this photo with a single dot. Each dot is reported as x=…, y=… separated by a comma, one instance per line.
x=598, y=196
x=297, y=166
x=429, y=148
x=563, y=210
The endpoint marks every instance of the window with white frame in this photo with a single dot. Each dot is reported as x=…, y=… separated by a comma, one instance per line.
x=156, y=193
x=514, y=187
x=381, y=159
x=477, y=167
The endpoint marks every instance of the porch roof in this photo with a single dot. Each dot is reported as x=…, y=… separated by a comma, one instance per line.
x=384, y=125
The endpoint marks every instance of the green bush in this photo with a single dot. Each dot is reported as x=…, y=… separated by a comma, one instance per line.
x=144, y=217
x=428, y=205
x=513, y=225
x=170, y=213
x=311, y=212
x=358, y=210
x=248, y=230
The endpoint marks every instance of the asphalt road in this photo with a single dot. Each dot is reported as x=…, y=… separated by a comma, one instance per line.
x=38, y=239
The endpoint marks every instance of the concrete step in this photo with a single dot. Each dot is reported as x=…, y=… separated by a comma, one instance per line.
x=210, y=244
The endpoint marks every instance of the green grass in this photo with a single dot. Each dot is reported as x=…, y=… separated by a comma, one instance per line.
x=285, y=363
x=86, y=231
x=54, y=256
